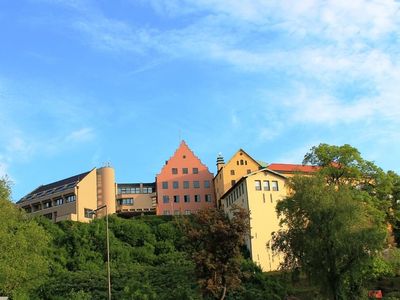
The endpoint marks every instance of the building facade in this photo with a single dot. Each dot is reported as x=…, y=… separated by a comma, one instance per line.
x=136, y=199
x=73, y=198
x=228, y=174
x=184, y=184
x=258, y=193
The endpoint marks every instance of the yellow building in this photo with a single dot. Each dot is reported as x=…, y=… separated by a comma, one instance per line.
x=228, y=174
x=258, y=192
x=73, y=198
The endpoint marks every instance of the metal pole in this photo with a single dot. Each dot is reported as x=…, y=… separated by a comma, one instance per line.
x=108, y=258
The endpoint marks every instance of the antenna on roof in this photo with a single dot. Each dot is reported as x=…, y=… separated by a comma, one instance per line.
x=107, y=164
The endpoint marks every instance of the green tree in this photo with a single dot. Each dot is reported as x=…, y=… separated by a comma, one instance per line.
x=23, y=249
x=343, y=165
x=332, y=232
x=216, y=242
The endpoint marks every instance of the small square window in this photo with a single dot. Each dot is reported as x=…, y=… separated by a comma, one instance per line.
x=232, y=172
x=176, y=198
x=185, y=171
x=165, y=185
x=196, y=184
x=248, y=171
x=195, y=171
x=196, y=198
x=186, y=184
x=165, y=199
x=206, y=184
x=233, y=182
x=186, y=198
x=175, y=185
x=89, y=213
x=174, y=170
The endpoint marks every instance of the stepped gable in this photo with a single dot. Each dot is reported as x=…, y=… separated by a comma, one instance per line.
x=292, y=168
x=73, y=179
x=183, y=147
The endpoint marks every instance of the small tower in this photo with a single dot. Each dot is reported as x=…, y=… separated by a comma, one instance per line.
x=220, y=162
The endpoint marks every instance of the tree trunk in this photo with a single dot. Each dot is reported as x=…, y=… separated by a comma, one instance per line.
x=223, y=293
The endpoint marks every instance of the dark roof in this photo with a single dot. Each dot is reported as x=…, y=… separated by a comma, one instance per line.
x=136, y=184
x=74, y=179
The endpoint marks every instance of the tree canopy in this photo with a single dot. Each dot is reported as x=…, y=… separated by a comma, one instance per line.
x=23, y=249
x=335, y=223
x=216, y=242
x=331, y=233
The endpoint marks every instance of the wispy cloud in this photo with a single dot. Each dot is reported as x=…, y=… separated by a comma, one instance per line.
x=80, y=135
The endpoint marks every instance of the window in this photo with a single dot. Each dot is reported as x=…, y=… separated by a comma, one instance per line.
x=274, y=184
x=185, y=171
x=175, y=185
x=70, y=198
x=196, y=198
x=248, y=171
x=48, y=216
x=186, y=198
x=58, y=201
x=165, y=185
x=208, y=198
x=174, y=170
x=89, y=213
x=165, y=199
x=233, y=182
x=206, y=184
x=187, y=212
x=241, y=162
x=245, y=162
x=237, y=162
x=195, y=171
x=166, y=213
x=186, y=184
x=176, y=198
x=257, y=184
x=196, y=184
x=176, y=212
x=147, y=190
x=232, y=172
x=266, y=185
x=47, y=204
x=126, y=201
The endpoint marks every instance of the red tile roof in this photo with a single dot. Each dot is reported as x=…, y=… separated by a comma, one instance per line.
x=292, y=168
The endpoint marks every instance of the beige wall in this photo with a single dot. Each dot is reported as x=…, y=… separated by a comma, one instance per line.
x=263, y=217
x=141, y=203
x=106, y=189
x=86, y=192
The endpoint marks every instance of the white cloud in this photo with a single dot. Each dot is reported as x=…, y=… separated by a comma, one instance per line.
x=80, y=135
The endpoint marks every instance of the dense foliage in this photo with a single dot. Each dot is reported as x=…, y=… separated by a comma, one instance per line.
x=151, y=258
x=335, y=223
x=23, y=247
x=216, y=242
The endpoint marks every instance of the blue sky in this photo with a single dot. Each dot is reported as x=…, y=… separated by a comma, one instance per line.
x=87, y=82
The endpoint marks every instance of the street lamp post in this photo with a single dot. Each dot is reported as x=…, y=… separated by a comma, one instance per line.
x=108, y=249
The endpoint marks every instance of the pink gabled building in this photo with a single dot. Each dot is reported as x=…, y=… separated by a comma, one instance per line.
x=184, y=184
